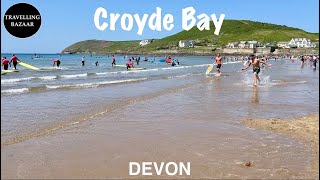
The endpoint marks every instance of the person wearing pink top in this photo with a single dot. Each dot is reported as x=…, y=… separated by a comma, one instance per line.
x=129, y=64
x=14, y=61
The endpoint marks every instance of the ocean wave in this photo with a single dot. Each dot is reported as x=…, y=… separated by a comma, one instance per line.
x=73, y=75
x=15, y=80
x=9, y=81
x=15, y=91
x=47, y=77
x=91, y=85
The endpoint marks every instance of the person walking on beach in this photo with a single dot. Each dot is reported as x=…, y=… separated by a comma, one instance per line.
x=56, y=61
x=5, y=63
x=82, y=60
x=113, y=60
x=14, y=61
x=256, y=68
x=218, y=61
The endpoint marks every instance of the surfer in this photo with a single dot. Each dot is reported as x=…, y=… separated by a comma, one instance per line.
x=5, y=63
x=56, y=61
x=14, y=61
x=256, y=68
x=97, y=63
x=82, y=60
x=178, y=62
x=113, y=60
x=218, y=61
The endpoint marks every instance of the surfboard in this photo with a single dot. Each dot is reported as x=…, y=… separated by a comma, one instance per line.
x=162, y=60
x=135, y=69
x=124, y=66
x=210, y=67
x=28, y=66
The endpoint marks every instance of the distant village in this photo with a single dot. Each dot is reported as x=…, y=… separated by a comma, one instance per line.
x=293, y=43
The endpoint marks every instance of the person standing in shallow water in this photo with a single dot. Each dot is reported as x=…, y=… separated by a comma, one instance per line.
x=5, y=63
x=256, y=68
x=218, y=61
x=82, y=60
x=14, y=61
x=113, y=60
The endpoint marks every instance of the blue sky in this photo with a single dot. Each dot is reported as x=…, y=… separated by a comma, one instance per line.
x=65, y=22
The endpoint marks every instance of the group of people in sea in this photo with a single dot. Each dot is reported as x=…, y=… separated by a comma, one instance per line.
x=6, y=63
x=256, y=61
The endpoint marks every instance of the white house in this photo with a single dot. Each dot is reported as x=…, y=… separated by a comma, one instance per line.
x=314, y=44
x=232, y=45
x=189, y=43
x=252, y=44
x=243, y=44
x=300, y=42
x=144, y=42
x=283, y=44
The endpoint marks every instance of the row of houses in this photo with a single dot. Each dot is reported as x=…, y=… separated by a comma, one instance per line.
x=245, y=44
x=298, y=43
x=294, y=42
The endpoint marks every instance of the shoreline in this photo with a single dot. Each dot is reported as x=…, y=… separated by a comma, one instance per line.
x=304, y=129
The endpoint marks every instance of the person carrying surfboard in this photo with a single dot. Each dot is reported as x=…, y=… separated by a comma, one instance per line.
x=255, y=62
x=218, y=61
x=14, y=61
x=5, y=63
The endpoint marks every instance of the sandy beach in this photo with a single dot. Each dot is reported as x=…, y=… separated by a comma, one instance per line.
x=90, y=122
x=305, y=129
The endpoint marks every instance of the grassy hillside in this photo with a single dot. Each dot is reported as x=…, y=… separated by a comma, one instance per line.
x=231, y=31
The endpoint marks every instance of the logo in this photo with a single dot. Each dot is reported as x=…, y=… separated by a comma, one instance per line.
x=22, y=20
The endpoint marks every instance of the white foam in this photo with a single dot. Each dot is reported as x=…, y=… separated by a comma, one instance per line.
x=73, y=75
x=15, y=91
x=48, y=77
x=9, y=81
x=90, y=85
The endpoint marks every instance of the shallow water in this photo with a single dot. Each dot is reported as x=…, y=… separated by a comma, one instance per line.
x=93, y=128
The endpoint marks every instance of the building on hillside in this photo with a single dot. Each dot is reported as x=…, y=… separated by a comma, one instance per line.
x=232, y=45
x=314, y=44
x=283, y=44
x=188, y=43
x=300, y=43
x=260, y=45
x=243, y=44
x=252, y=44
x=144, y=42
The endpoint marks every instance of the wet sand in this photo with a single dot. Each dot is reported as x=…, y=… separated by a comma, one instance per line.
x=305, y=129
x=182, y=125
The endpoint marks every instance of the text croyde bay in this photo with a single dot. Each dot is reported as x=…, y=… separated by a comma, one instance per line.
x=156, y=21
